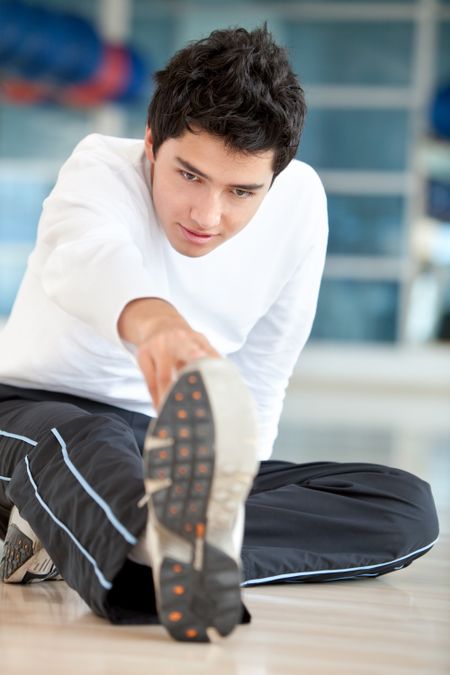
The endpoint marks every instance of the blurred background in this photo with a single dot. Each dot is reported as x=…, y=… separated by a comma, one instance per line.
x=373, y=383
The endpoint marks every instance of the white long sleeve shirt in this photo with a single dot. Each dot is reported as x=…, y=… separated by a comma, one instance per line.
x=99, y=246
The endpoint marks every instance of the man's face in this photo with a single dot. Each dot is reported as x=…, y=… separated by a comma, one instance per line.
x=203, y=192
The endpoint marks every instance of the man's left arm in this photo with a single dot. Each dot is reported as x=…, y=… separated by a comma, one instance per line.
x=273, y=346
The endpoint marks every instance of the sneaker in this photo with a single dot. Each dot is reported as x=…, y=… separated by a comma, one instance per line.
x=200, y=460
x=24, y=559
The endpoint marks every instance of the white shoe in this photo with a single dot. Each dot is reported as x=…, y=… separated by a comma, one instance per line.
x=200, y=460
x=24, y=559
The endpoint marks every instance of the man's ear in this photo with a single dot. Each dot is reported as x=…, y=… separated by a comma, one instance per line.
x=149, y=145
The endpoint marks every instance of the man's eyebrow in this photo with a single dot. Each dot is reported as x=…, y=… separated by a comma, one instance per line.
x=192, y=169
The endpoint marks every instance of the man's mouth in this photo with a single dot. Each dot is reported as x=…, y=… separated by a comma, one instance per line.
x=195, y=237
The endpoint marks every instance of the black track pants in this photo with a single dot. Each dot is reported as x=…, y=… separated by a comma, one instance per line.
x=73, y=468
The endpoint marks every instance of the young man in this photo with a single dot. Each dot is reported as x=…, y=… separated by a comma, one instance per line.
x=177, y=279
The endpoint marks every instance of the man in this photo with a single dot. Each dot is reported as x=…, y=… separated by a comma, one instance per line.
x=177, y=280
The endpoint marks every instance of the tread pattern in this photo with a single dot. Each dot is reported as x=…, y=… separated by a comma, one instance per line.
x=188, y=459
x=204, y=592
x=22, y=553
x=18, y=549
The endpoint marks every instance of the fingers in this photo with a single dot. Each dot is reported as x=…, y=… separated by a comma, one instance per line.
x=163, y=356
x=206, y=347
x=146, y=365
x=189, y=352
x=165, y=375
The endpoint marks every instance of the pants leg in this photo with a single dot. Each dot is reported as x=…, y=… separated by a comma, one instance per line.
x=76, y=476
x=73, y=467
x=326, y=520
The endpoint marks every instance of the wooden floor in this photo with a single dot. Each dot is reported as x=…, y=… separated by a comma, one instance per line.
x=397, y=624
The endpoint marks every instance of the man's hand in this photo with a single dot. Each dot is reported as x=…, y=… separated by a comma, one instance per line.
x=165, y=341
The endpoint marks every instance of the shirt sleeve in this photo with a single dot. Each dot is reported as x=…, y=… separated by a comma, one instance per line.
x=91, y=266
x=272, y=348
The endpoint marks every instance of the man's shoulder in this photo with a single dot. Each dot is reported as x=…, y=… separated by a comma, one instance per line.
x=106, y=171
x=297, y=190
x=116, y=162
x=298, y=199
x=300, y=176
x=101, y=146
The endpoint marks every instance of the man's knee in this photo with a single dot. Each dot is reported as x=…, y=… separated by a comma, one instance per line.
x=416, y=516
x=88, y=438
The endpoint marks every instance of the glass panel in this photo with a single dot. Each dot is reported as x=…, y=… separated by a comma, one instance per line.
x=198, y=22
x=443, y=54
x=152, y=33
x=351, y=53
x=136, y=119
x=20, y=209
x=41, y=131
x=356, y=139
x=359, y=2
x=13, y=260
x=365, y=225
x=274, y=3
x=351, y=310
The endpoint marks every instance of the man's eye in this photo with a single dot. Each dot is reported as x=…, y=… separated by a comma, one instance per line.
x=191, y=177
x=242, y=194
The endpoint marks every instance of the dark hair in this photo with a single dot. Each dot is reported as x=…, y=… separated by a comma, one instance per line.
x=235, y=84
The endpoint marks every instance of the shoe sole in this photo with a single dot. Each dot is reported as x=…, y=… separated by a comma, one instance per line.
x=200, y=460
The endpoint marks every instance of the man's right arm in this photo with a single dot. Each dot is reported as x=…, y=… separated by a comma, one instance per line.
x=92, y=268
x=164, y=340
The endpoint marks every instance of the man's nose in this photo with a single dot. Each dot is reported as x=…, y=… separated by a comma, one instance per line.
x=207, y=212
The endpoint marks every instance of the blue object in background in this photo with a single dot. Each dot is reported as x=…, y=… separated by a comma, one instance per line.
x=38, y=43
x=13, y=23
x=74, y=50
x=62, y=59
x=440, y=113
x=138, y=82
x=438, y=200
